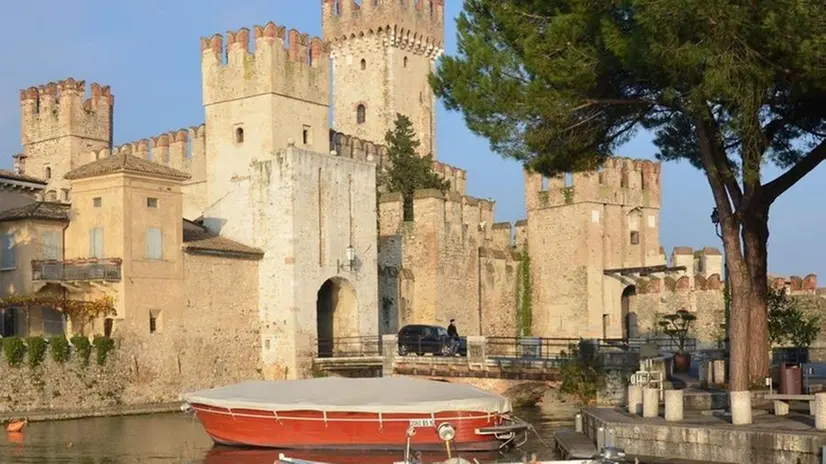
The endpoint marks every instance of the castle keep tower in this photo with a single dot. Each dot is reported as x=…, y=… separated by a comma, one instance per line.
x=383, y=51
x=580, y=226
x=256, y=102
x=59, y=129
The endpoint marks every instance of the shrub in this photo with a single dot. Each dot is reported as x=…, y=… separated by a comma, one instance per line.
x=37, y=347
x=60, y=348
x=83, y=348
x=582, y=372
x=15, y=350
x=103, y=345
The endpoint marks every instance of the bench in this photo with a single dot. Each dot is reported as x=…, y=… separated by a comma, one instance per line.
x=781, y=402
x=814, y=375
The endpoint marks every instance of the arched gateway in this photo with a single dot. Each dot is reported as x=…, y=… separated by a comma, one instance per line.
x=336, y=315
x=629, y=318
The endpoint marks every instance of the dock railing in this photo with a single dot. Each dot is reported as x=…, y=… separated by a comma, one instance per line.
x=349, y=347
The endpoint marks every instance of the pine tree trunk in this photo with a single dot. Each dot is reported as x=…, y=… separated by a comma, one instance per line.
x=739, y=318
x=755, y=245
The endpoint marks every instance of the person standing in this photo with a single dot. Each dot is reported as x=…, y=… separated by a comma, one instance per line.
x=454, y=336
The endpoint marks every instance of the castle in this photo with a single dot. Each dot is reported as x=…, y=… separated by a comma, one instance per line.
x=270, y=179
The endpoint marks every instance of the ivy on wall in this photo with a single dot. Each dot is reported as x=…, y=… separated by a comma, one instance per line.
x=524, y=314
x=81, y=311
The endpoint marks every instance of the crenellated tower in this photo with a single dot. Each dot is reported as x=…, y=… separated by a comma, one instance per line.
x=383, y=52
x=59, y=126
x=259, y=100
x=582, y=228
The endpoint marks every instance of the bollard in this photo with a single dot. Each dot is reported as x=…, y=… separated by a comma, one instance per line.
x=674, y=405
x=706, y=369
x=578, y=423
x=651, y=402
x=820, y=411
x=719, y=371
x=740, y=406
x=635, y=399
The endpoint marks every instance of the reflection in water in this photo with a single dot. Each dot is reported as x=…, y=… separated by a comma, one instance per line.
x=178, y=438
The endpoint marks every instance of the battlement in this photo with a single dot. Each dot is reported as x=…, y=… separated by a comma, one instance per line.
x=459, y=217
x=416, y=25
x=794, y=284
x=283, y=62
x=182, y=149
x=356, y=148
x=620, y=181
x=60, y=108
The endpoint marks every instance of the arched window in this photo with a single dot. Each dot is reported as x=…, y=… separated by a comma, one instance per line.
x=405, y=61
x=239, y=135
x=361, y=114
x=363, y=64
x=48, y=173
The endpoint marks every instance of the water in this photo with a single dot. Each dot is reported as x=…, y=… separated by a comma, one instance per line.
x=178, y=438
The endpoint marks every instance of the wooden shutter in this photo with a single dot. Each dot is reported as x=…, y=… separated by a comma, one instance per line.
x=96, y=242
x=51, y=245
x=154, y=243
x=8, y=250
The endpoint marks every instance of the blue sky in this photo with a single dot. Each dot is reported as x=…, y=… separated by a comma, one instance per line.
x=149, y=52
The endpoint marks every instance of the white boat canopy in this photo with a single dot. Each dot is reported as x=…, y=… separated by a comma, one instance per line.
x=384, y=395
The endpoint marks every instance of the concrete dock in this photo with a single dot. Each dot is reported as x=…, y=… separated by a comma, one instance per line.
x=707, y=436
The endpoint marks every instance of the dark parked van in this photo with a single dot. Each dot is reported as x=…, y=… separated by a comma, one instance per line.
x=421, y=339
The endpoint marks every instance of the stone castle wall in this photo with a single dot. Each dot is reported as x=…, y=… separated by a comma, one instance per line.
x=213, y=341
x=449, y=262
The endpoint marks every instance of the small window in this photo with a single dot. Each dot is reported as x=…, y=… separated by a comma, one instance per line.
x=305, y=135
x=48, y=173
x=151, y=202
x=154, y=243
x=96, y=202
x=154, y=321
x=108, y=324
x=363, y=64
x=361, y=114
x=239, y=135
x=405, y=61
x=8, y=251
x=96, y=242
x=624, y=179
x=635, y=237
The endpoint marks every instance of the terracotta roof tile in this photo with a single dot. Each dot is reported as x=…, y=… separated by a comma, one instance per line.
x=11, y=175
x=197, y=237
x=37, y=210
x=124, y=163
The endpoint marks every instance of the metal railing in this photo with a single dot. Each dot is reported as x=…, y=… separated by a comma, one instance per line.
x=103, y=270
x=348, y=347
x=543, y=347
x=664, y=344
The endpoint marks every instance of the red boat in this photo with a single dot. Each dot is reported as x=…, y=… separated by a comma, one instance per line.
x=342, y=413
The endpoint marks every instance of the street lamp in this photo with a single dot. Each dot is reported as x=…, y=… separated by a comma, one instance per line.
x=351, y=257
x=715, y=219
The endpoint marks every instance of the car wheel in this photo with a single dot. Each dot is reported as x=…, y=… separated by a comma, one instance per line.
x=446, y=351
x=402, y=350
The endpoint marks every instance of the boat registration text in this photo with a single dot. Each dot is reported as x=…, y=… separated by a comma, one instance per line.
x=422, y=423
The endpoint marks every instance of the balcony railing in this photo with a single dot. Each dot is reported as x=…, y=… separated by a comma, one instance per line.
x=107, y=270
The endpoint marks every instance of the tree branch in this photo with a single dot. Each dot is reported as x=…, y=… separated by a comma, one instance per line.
x=784, y=182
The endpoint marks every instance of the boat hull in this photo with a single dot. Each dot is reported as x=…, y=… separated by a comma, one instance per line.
x=342, y=430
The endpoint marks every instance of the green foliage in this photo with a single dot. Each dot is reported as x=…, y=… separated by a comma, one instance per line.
x=60, y=348
x=37, y=347
x=525, y=292
x=103, y=345
x=582, y=373
x=82, y=347
x=15, y=350
x=788, y=325
x=568, y=195
x=678, y=326
x=407, y=171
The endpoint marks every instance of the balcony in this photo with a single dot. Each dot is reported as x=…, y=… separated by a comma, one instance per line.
x=77, y=270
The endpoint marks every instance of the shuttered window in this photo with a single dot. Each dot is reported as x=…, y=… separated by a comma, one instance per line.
x=8, y=251
x=96, y=242
x=154, y=243
x=51, y=245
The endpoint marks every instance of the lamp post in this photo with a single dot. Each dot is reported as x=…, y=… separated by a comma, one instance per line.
x=715, y=219
x=351, y=257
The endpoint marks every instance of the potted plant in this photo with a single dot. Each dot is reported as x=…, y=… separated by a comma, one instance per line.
x=678, y=326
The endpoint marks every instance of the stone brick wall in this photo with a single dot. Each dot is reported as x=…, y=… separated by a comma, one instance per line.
x=448, y=263
x=212, y=341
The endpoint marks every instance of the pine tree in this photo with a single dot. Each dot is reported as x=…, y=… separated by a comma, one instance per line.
x=407, y=171
x=728, y=85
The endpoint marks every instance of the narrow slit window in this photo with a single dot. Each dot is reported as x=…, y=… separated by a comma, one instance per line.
x=239, y=135
x=361, y=115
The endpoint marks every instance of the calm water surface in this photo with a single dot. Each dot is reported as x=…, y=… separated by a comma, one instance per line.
x=178, y=438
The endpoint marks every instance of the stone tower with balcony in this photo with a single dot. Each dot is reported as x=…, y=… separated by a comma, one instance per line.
x=382, y=53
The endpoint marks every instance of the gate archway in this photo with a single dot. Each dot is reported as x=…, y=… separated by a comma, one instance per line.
x=336, y=314
x=629, y=318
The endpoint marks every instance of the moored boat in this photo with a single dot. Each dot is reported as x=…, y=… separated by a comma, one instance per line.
x=366, y=413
